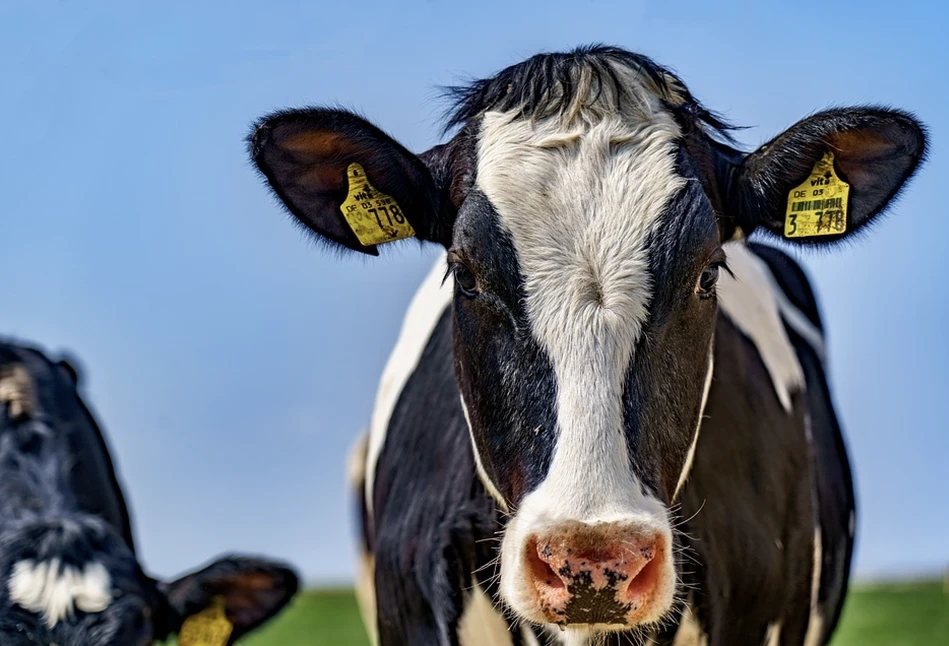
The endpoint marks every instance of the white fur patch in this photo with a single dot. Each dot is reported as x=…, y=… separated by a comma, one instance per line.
x=423, y=314
x=529, y=639
x=750, y=301
x=365, y=590
x=479, y=466
x=578, y=636
x=690, y=632
x=773, y=636
x=481, y=624
x=690, y=457
x=55, y=591
x=16, y=390
x=365, y=568
x=356, y=461
x=797, y=321
x=815, y=623
x=580, y=206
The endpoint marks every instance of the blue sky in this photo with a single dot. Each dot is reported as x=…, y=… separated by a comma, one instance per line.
x=232, y=363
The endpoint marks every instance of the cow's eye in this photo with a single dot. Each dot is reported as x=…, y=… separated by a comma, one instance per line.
x=32, y=437
x=706, y=286
x=465, y=280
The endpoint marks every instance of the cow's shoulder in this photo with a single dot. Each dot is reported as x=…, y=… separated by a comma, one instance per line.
x=791, y=279
x=750, y=298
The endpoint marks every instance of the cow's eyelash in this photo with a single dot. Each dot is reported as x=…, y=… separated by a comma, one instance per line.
x=450, y=270
x=453, y=260
x=723, y=264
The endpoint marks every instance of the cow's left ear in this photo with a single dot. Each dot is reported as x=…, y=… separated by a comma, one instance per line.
x=827, y=176
x=245, y=591
x=349, y=182
x=70, y=366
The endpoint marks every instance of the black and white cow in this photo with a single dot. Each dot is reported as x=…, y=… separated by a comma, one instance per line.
x=655, y=451
x=67, y=562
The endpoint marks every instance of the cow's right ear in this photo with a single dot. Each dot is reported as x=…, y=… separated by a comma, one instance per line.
x=230, y=596
x=349, y=182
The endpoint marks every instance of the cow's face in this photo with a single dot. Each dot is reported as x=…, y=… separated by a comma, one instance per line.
x=583, y=205
x=72, y=581
x=585, y=263
x=68, y=577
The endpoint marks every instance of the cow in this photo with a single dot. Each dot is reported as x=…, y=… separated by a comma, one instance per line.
x=69, y=571
x=612, y=423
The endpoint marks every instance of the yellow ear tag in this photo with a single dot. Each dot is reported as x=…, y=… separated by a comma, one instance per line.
x=373, y=216
x=818, y=206
x=209, y=627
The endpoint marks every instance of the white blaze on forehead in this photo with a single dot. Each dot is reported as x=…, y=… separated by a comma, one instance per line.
x=580, y=214
x=581, y=202
x=56, y=590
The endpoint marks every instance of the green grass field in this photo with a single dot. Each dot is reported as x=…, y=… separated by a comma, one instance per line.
x=911, y=614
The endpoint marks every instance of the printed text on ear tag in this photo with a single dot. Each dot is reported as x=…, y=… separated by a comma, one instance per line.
x=818, y=206
x=373, y=216
x=209, y=627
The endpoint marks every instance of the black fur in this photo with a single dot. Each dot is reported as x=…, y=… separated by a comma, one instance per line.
x=527, y=87
x=433, y=525
x=505, y=376
x=60, y=501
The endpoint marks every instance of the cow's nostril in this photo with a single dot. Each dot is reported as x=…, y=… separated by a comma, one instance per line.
x=605, y=574
x=539, y=569
x=647, y=578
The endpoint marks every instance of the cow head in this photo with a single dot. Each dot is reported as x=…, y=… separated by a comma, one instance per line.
x=67, y=576
x=583, y=202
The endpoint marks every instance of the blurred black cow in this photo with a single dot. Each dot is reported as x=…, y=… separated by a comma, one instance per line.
x=68, y=570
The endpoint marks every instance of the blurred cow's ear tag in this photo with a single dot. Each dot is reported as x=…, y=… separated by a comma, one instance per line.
x=818, y=206
x=372, y=215
x=209, y=627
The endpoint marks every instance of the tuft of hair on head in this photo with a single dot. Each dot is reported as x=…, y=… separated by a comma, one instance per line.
x=56, y=591
x=587, y=82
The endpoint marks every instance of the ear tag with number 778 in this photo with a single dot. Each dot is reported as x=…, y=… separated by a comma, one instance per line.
x=372, y=215
x=818, y=206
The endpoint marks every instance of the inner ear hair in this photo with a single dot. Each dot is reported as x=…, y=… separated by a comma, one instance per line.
x=875, y=151
x=253, y=590
x=877, y=160
x=306, y=155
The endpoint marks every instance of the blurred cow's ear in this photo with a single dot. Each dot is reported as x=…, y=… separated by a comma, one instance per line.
x=70, y=367
x=348, y=181
x=249, y=590
x=827, y=176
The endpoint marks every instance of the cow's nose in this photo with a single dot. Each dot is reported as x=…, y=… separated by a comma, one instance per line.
x=596, y=574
